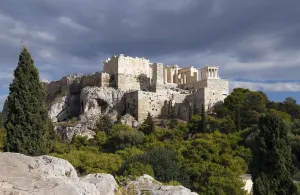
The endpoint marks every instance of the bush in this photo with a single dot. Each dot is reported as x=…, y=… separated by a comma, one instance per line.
x=123, y=136
x=162, y=160
x=138, y=169
x=2, y=138
x=87, y=162
x=104, y=123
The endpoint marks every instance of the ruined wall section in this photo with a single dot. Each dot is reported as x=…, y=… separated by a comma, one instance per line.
x=158, y=104
x=98, y=79
x=155, y=103
x=128, y=73
x=194, y=85
x=158, y=77
x=134, y=74
x=216, y=91
x=131, y=103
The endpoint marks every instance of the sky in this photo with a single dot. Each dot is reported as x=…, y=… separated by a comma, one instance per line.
x=255, y=43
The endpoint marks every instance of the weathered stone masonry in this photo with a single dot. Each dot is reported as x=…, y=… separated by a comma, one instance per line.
x=141, y=87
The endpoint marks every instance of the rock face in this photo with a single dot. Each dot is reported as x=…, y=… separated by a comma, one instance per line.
x=147, y=185
x=129, y=120
x=96, y=101
x=57, y=107
x=66, y=133
x=46, y=175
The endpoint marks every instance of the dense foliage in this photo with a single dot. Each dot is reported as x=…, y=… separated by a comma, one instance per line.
x=207, y=163
x=28, y=127
x=271, y=166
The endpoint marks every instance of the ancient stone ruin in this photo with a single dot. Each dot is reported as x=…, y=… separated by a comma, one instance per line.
x=135, y=86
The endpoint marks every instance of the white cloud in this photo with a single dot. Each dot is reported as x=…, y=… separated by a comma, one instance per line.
x=45, y=36
x=71, y=23
x=267, y=87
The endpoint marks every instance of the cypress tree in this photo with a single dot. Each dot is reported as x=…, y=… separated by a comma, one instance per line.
x=149, y=124
x=271, y=165
x=203, y=119
x=29, y=129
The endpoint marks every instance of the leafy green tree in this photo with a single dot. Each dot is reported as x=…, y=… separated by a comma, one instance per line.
x=138, y=169
x=271, y=164
x=29, y=129
x=238, y=119
x=212, y=124
x=123, y=136
x=148, y=126
x=104, y=123
x=249, y=118
x=1, y=120
x=209, y=165
x=255, y=101
x=203, y=121
x=227, y=125
x=194, y=124
x=163, y=161
x=2, y=138
x=290, y=106
x=236, y=99
x=221, y=110
x=283, y=115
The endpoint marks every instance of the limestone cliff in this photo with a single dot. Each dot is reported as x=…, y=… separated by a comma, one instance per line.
x=46, y=175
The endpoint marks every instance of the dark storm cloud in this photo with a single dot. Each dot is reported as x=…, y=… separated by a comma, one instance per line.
x=251, y=39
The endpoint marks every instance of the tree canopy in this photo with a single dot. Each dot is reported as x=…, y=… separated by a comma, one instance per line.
x=271, y=165
x=29, y=129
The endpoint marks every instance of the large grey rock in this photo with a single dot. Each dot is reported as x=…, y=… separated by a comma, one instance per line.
x=57, y=107
x=97, y=101
x=67, y=132
x=148, y=185
x=129, y=120
x=46, y=175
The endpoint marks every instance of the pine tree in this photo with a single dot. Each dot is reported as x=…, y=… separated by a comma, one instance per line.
x=238, y=119
x=203, y=119
x=271, y=165
x=29, y=129
x=150, y=124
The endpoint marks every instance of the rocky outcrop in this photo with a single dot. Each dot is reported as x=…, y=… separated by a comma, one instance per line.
x=129, y=120
x=57, y=107
x=148, y=185
x=67, y=132
x=46, y=175
x=100, y=100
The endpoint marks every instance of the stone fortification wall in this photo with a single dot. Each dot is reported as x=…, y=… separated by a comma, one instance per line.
x=134, y=66
x=98, y=79
x=216, y=91
x=111, y=65
x=194, y=85
x=127, y=82
x=134, y=74
x=131, y=103
x=139, y=103
x=155, y=103
x=128, y=73
x=158, y=77
x=62, y=87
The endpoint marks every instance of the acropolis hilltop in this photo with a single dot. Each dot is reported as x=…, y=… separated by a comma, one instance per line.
x=136, y=86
